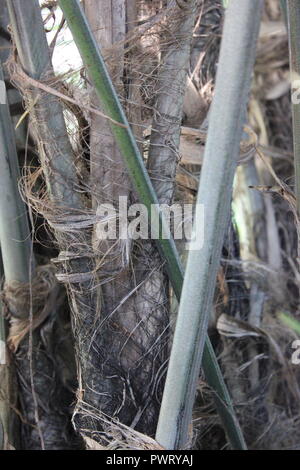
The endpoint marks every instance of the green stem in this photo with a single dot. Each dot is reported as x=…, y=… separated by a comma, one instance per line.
x=15, y=262
x=232, y=89
x=14, y=228
x=97, y=70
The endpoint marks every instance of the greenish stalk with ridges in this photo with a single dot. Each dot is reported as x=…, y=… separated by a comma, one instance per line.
x=15, y=261
x=293, y=17
x=237, y=56
x=14, y=228
x=97, y=70
x=15, y=242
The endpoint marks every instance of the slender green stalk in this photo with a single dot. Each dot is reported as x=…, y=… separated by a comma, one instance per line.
x=290, y=321
x=14, y=240
x=14, y=228
x=293, y=14
x=236, y=61
x=96, y=68
x=15, y=246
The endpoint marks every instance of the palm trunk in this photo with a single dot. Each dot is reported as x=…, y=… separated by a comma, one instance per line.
x=95, y=65
x=133, y=301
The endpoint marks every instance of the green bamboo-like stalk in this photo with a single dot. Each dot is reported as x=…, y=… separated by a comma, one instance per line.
x=14, y=228
x=236, y=61
x=15, y=246
x=14, y=239
x=96, y=68
x=293, y=17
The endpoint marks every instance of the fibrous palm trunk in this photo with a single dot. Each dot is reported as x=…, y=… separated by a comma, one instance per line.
x=131, y=340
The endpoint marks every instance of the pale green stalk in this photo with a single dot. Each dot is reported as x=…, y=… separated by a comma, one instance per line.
x=242, y=20
x=16, y=252
x=14, y=228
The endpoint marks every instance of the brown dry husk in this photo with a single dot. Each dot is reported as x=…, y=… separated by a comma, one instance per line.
x=37, y=319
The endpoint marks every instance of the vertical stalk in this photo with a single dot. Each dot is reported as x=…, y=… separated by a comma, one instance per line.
x=14, y=239
x=237, y=56
x=14, y=228
x=96, y=68
x=293, y=16
x=15, y=247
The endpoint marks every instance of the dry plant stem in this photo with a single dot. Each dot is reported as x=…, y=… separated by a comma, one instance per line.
x=135, y=101
x=293, y=13
x=165, y=136
x=97, y=71
x=135, y=304
x=7, y=428
x=237, y=57
x=107, y=166
x=249, y=214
